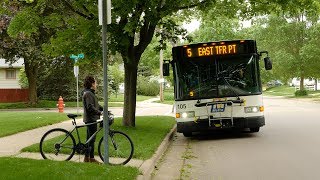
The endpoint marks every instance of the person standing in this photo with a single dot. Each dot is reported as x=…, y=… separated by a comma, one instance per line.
x=91, y=113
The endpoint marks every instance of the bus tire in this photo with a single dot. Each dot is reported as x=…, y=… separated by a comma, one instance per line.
x=187, y=134
x=257, y=129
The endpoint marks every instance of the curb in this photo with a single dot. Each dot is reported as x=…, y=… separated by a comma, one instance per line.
x=147, y=166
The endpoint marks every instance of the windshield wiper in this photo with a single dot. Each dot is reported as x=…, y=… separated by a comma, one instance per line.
x=238, y=100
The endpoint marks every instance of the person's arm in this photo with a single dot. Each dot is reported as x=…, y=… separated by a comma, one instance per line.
x=89, y=104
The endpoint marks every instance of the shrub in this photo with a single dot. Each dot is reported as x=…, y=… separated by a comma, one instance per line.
x=147, y=87
x=169, y=96
x=301, y=93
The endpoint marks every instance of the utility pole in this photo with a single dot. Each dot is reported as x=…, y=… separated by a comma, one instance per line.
x=161, y=75
x=161, y=69
x=105, y=10
x=76, y=74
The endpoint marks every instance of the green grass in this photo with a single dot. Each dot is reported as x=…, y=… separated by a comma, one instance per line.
x=146, y=136
x=49, y=104
x=19, y=168
x=168, y=97
x=280, y=91
x=120, y=98
x=14, y=122
x=113, y=101
x=289, y=93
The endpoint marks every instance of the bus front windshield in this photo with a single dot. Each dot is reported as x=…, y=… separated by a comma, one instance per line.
x=217, y=77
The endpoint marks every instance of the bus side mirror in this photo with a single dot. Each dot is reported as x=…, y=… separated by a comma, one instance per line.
x=166, y=68
x=267, y=63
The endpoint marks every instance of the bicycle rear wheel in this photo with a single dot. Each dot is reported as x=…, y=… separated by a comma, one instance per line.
x=57, y=144
x=120, y=148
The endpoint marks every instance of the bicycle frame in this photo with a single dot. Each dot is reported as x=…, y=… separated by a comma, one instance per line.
x=120, y=144
x=76, y=127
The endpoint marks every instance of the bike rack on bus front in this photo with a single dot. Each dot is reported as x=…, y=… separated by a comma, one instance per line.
x=215, y=109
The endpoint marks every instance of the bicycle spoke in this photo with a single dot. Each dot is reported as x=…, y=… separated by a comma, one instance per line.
x=57, y=144
x=120, y=148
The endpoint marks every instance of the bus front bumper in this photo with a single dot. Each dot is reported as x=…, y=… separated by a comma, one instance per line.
x=203, y=124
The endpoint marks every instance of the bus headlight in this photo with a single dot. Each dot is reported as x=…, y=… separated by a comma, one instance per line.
x=253, y=109
x=188, y=114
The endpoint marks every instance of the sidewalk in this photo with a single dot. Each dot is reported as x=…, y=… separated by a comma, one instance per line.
x=12, y=145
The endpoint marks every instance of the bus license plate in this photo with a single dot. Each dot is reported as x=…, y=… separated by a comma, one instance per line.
x=218, y=108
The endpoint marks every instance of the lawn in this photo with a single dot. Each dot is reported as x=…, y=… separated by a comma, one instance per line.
x=14, y=122
x=280, y=91
x=168, y=97
x=49, y=104
x=19, y=168
x=120, y=98
x=289, y=92
x=113, y=101
x=146, y=136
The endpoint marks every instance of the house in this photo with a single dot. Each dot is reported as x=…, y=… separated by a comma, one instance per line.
x=9, y=74
x=10, y=89
x=310, y=84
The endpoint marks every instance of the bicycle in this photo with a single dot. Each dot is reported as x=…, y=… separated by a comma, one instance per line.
x=59, y=144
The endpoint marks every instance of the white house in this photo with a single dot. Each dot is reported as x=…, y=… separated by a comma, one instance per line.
x=9, y=74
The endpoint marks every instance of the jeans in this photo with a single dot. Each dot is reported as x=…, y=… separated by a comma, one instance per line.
x=91, y=129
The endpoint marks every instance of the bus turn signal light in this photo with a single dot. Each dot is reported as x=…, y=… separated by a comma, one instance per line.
x=177, y=115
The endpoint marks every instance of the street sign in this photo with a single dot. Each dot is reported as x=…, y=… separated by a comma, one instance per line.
x=72, y=56
x=76, y=71
x=100, y=8
x=80, y=56
x=76, y=74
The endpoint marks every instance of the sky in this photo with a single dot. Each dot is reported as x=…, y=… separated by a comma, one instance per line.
x=194, y=24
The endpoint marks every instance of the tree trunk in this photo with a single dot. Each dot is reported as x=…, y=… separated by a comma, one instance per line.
x=130, y=84
x=301, y=83
x=31, y=74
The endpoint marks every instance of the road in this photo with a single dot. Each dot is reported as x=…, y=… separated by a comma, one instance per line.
x=287, y=148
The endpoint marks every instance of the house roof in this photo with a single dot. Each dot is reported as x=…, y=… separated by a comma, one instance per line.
x=18, y=64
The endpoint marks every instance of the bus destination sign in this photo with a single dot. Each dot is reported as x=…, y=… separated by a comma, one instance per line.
x=211, y=50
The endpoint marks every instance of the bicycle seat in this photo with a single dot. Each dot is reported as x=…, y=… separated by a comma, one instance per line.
x=73, y=115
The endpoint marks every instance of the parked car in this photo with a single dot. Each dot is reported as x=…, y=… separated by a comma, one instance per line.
x=274, y=83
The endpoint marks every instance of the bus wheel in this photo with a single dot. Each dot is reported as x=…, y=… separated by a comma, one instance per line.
x=255, y=129
x=187, y=134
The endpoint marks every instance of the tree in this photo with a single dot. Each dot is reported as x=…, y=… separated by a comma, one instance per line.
x=116, y=77
x=132, y=29
x=290, y=25
x=221, y=22
x=24, y=28
x=150, y=57
x=292, y=42
x=21, y=46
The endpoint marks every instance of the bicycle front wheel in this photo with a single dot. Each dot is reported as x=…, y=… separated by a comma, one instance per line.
x=57, y=144
x=120, y=148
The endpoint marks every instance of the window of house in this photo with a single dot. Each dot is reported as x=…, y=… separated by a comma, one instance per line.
x=10, y=73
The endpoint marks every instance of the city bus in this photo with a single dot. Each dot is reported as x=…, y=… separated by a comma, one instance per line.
x=217, y=85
